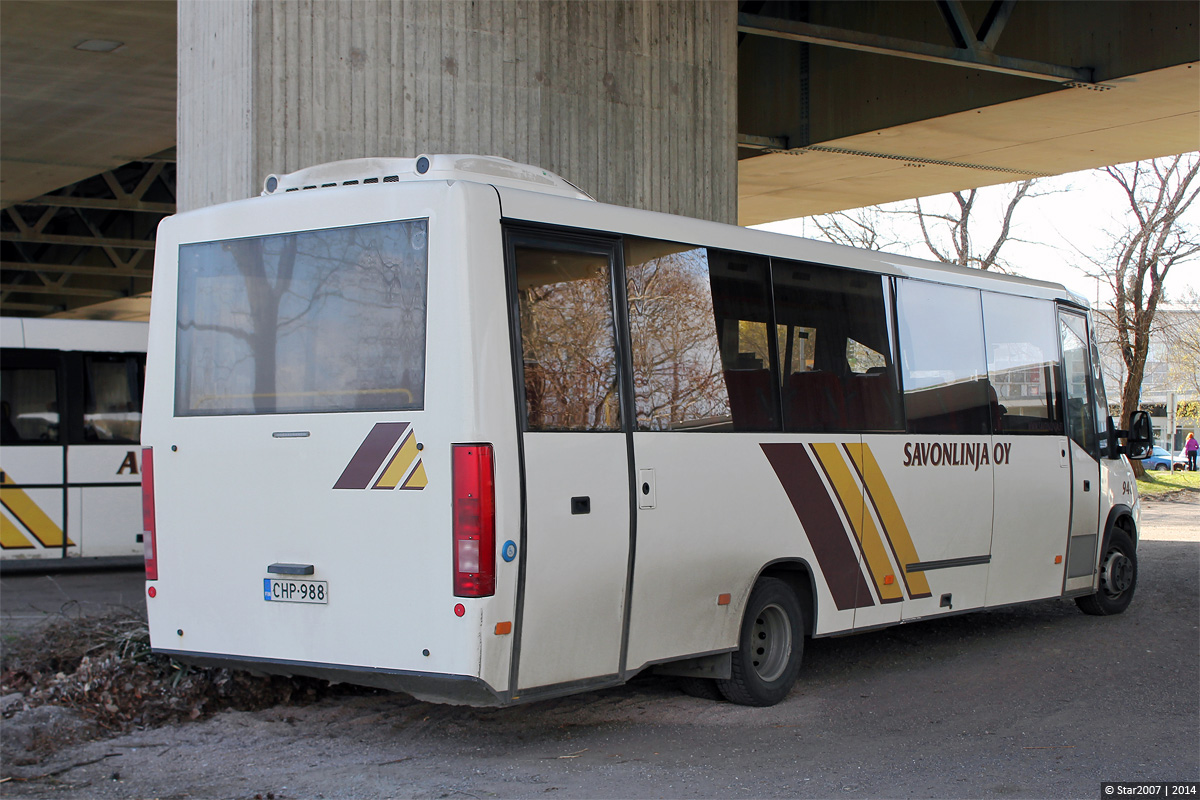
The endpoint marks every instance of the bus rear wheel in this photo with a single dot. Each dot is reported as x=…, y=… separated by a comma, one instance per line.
x=770, y=647
x=1118, y=578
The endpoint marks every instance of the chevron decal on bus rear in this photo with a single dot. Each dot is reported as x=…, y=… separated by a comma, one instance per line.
x=380, y=464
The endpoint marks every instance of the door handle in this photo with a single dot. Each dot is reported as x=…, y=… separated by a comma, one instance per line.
x=1087, y=486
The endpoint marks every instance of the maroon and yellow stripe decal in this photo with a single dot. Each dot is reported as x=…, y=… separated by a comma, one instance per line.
x=398, y=468
x=370, y=455
x=898, y=536
x=29, y=514
x=835, y=555
x=850, y=496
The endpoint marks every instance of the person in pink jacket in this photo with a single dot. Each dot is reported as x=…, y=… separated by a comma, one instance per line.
x=1190, y=447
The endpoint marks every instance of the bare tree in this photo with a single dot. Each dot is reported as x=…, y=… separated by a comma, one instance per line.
x=957, y=229
x=864, y=228
x=951, y=232
x=1157, y=238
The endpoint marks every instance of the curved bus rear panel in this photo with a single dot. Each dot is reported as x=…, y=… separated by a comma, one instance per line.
x=302, y=447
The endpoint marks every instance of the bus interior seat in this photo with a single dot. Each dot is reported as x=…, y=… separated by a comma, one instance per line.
x=815, y=401
x=750, y=401
x=869, y=401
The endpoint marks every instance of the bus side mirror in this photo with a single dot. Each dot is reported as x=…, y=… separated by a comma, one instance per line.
x=1140, y=440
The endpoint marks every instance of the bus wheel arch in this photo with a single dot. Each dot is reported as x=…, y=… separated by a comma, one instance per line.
x=770, y=646
x=797, y=574
x=1118, y=568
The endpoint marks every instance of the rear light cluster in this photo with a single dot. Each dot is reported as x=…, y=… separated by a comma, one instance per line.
x=474, y=521
x=149, y=534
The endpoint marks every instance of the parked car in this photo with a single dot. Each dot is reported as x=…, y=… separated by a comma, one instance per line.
x=1162, y=459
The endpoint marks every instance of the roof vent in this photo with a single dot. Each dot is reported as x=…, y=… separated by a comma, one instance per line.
x=478, y=169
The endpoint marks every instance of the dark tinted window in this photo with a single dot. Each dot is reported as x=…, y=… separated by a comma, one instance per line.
x=1022, y=361
x=113, y=407
x=834, y=349
x=29, y=406
x=942, y=354
x=741, y=311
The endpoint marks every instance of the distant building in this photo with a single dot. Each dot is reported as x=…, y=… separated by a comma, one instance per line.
x=1172, y=375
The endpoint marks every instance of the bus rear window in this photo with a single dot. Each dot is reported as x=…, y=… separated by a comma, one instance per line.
x=318, y=321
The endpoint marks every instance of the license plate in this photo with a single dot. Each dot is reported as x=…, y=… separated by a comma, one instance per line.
x=280, y=590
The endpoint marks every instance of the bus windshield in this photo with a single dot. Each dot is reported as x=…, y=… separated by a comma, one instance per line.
x=316, y=321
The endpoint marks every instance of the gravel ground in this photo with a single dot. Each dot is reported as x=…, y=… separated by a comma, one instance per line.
x=1034, y=701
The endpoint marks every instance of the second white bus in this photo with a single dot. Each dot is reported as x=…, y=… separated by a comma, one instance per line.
x=447, y=426
x=70, y=452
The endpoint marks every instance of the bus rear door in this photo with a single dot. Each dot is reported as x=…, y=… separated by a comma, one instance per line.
x=576, y=459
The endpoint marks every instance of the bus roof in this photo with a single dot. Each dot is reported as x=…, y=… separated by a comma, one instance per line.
x=102, y=336
x=491, y=170
x=528, y=192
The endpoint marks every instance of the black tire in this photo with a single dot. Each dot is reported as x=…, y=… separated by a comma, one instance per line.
x=704, y=688
x=1161, y=468
x=770, y=647
x=1118, y=578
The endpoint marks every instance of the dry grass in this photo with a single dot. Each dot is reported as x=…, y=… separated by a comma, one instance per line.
x=102, y=668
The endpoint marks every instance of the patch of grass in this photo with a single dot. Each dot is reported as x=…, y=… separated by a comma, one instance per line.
x=1157, y=484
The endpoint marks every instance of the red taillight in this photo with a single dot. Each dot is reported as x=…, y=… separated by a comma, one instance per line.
x=474, y=521
x=149, y=540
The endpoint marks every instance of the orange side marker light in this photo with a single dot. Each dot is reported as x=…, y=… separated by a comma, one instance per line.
x=1058, y=559
x=723, y=599
x=888, y=580
x=503, y=628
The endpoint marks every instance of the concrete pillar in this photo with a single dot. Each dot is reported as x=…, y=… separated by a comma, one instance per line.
x=634, y=102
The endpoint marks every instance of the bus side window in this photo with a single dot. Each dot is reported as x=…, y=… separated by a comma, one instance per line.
x=113, y=409
x=742, y=312
x=29, y=406
x=1022, y=360
x=677, y=376
x=942, y=353
x=699, y=321
x=834, y=350
x=567, y=341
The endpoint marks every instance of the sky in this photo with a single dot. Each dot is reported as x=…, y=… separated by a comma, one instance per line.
x=1076, y=214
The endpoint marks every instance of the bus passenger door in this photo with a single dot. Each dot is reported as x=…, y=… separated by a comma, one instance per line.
x=104, y=459
x=1084, y=451
x=31, y=470
x=575, y=456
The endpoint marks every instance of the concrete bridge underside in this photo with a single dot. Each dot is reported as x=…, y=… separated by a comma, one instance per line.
x=737, y=111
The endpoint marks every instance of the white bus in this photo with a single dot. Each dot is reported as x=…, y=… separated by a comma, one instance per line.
x=70, y=420
x=446, y=425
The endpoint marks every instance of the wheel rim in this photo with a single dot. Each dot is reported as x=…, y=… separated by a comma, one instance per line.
x=771, y=646
x=1117, y=574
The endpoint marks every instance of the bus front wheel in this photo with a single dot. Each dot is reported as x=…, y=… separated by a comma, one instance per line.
x=770, y=647
x=1118, y=578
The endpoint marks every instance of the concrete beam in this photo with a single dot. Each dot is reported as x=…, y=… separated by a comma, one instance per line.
x=971, y=57
x=634, y=102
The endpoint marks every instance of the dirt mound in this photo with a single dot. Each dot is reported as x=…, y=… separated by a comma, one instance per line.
x=92, y=677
